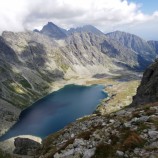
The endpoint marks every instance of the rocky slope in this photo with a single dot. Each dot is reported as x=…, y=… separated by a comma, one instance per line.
x=154, y=45
x=144, y=51
x=131, y=132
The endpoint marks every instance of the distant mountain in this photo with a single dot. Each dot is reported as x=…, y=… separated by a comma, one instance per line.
x=154, y=45
x=53, y=30
x=86, y=28
x=31, y=61
x=142, y=48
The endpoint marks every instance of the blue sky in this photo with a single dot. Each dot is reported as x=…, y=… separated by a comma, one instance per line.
x=147, y=6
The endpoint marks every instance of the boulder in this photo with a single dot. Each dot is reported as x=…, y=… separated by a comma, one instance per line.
x=25, y=146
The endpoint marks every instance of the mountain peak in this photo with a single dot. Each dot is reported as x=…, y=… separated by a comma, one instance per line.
x=52, y=30
x=51, y=24
x=86, y=28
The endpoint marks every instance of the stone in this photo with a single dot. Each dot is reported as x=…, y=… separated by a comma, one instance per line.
x=89, y=153
x=68, y=152
x=78, y=142
x=103, y=124
x=127, y=124
x=75, y=156
x=78, y=150
x=135, y=119
x=143, y=118
x=136, y=151
x=70, y=146
x=111, y=121
x=25, y=146
x=153, y=134
x=72, y=135
x=119, y=153
x=154, y=145
x=57, y=155
x=121, y=112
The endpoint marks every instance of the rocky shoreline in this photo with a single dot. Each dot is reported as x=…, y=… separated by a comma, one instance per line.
x=131, y=132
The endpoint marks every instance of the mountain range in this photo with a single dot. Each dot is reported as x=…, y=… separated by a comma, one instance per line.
x=31, y=61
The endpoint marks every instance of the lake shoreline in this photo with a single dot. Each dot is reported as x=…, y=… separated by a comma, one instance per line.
x=87, y=82
x=71, y=98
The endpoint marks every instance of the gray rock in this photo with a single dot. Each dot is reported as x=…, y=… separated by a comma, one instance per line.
x=136, y=151
x=143, y=118
x=72, y=135
x=68, y=152
x=57, y=155
x=153, y=134
x=78, y=142
x=111, y=121
x=154, y=145
x=89, y=153
x=119, y=153
x=127, y=124
x=25, y=146
x=70, y=146
x=121, y=112
x=135, y=119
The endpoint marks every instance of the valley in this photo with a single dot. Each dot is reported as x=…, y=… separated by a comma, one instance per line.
x=34, y=64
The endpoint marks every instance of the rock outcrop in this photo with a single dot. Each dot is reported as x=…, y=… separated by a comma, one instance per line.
x=148, y=90
x=25, y=146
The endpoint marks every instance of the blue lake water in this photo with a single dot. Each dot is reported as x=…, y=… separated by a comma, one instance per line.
x=56, y=110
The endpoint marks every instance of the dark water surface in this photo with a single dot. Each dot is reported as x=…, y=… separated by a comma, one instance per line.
x=56, y=110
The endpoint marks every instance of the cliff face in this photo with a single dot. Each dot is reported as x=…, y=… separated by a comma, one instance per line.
x=148, y=90
x=145, y=51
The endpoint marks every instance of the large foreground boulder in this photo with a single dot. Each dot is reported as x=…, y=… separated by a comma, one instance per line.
x=147, y=92
x=25, y=146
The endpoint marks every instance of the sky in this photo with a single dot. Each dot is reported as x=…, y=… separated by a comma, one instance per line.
x=139, y=17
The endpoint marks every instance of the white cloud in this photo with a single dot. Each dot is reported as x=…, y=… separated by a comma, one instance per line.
x=108, y=15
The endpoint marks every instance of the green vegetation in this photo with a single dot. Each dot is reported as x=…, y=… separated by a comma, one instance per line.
x=85, y=135
x=104, y=151
x=64, y=67
x=25, y=83
x=4, y=155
